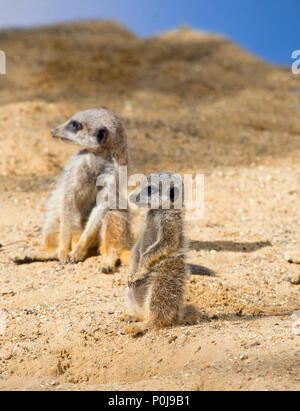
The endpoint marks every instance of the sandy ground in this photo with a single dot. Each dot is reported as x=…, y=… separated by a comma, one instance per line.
x=191, y=103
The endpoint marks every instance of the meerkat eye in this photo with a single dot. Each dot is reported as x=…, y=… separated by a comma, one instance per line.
x=74, y=126
x=102, y=135
x=149, y=191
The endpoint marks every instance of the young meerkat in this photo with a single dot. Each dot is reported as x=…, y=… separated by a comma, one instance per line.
x=157, y=270
x=78, y=216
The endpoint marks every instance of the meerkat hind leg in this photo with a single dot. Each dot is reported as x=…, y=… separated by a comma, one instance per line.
x=136, y=310
x=115, y=241
x=83, y=239
x=51, y=241
x=162, y=308
x=188, y=315
x=164, y=302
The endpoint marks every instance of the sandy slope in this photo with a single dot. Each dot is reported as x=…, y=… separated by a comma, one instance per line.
x=192, y=103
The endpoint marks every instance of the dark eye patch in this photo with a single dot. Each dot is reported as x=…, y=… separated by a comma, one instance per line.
x=74, y=126
x=102, y=135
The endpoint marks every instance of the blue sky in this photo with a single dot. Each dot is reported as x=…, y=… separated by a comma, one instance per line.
x=268, y=28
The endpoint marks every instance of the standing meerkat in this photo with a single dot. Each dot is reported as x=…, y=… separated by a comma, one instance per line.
x=157, y=271
x=78, y=216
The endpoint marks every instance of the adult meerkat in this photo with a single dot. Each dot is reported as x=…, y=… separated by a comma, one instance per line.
x=78, y=215
x=157, y=271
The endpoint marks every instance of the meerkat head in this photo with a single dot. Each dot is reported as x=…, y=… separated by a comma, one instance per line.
x=98, y=130
x=162, y=190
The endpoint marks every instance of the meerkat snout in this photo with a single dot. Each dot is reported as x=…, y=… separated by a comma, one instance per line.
x=56, y=135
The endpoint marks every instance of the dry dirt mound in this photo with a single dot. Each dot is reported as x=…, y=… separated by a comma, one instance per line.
x=184, y=96
x=191, y=102
x=84, y=58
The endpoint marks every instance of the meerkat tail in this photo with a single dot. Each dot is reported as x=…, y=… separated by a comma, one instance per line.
x=36, y=257
x=199, y=270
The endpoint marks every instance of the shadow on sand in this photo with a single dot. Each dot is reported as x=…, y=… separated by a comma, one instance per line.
x=245, y=247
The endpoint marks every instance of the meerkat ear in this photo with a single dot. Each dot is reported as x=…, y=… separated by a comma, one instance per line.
x=101, y=136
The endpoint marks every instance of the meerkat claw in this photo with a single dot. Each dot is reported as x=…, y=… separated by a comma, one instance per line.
x=108, y=269
x=77, y=255
x=73, y=260
x=63, y=258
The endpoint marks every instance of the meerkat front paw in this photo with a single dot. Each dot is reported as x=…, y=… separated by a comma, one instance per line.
x=63, y=256
x=136, y=329
x=78, y=254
